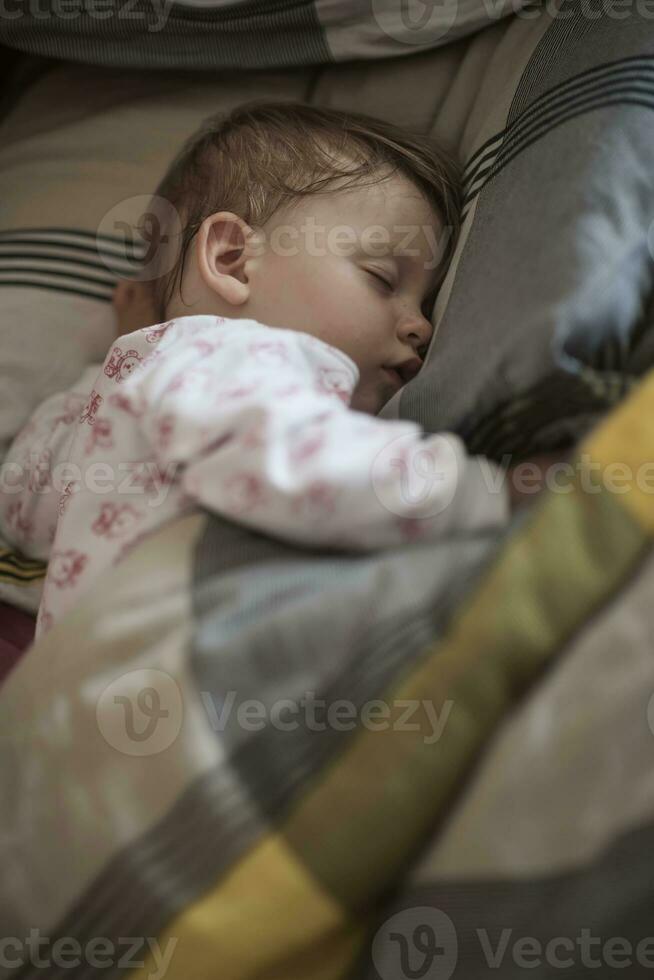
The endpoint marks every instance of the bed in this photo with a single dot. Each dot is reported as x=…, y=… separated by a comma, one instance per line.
x=268, y=761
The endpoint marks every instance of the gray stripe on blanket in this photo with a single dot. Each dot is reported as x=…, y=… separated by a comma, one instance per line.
x=158, y=876
x=596, y=921
x=295, y=631
x=161, y=34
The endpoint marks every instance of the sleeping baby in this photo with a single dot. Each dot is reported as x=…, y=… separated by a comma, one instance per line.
x=251, y=367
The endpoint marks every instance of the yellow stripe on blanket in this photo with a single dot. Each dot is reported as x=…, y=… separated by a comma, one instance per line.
x=266, y=919
x=358, y=827
x=623, y=446
x=361, y=822
x=17, y=569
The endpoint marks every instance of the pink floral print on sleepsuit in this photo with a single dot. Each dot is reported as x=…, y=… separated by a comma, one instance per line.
x=250, y=421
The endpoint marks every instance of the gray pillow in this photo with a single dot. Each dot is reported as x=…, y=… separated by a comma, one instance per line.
x=544, y=321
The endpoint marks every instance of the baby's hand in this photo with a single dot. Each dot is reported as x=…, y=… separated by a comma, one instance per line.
x=134, y=306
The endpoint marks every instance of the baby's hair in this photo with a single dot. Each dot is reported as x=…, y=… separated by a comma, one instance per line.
x=263, y=155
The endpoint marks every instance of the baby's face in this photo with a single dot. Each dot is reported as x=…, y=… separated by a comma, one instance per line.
x=355, y=268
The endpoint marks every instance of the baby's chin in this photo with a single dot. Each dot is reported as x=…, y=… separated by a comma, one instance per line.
x=372, y=398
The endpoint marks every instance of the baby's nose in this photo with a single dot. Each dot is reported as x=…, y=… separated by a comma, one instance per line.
x=416, y=329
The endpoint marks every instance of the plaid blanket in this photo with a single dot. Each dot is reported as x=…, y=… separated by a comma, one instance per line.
x=233, y=750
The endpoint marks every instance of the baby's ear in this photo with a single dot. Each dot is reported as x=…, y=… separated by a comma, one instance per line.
x=222, y=253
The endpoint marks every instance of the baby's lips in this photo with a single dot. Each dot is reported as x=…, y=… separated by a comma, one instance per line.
x=408, y=369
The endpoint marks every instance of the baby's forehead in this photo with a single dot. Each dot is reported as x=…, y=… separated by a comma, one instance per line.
x=387, y=217
x=391, y=204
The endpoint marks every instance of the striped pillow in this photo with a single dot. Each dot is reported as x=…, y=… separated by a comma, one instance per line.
x=245, y=34
x=545, y=320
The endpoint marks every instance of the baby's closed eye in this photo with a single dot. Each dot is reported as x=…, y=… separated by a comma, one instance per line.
x=384, y=279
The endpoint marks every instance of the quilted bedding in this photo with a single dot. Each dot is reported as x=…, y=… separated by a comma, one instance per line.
x=236, y=749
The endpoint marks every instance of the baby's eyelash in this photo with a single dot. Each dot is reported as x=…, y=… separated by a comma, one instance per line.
x=380, y=278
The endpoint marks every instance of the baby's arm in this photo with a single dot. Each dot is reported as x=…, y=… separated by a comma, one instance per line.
x=258, y=420
x=33, y=474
